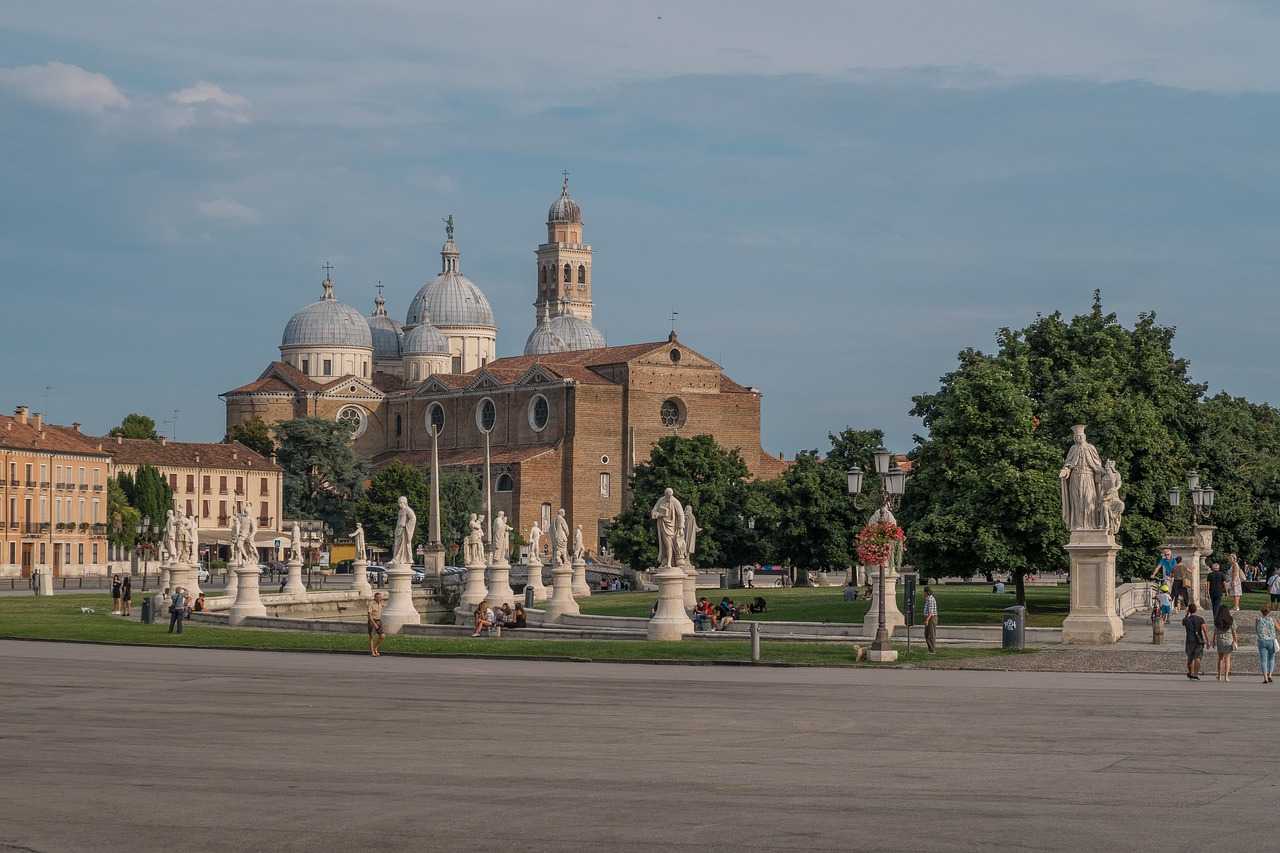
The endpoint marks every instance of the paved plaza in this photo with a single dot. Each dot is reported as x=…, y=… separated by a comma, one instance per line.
x=130, y=748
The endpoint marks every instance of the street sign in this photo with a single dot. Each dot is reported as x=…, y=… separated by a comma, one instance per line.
x=279, y=542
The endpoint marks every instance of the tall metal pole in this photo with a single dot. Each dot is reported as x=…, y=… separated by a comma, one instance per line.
x=881, y=642
x=488, y=499
x=434, y=528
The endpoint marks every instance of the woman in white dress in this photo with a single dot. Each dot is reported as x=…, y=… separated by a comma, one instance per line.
x=1237, y=583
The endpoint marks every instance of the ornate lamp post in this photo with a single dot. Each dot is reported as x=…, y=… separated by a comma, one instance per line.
x=1202, y=498
x=893, y=481
x=1200, y=545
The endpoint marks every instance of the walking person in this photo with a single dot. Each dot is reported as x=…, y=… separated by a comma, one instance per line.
x=1197, y=639
x=1266, y=643
x=1273, y=586
x=126, y=596
x=1237, y=583
x=115, y=595
x=376, y=634
x=1181, y=585
x=1217, y=588
x=1224, y=641
x=177, y=610
x=930, y=620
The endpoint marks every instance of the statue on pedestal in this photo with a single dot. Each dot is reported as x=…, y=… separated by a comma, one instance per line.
x=170, y=538
x=295, y=544
x=181, y=542
x=237, y=546
x=406, y=521
x=1112, y=505
x=473, y=545
x=358, y=537
x=1081, y=484
x=248, y=532
x=691, y=531
x=668, y=516
x=193, y=541
x=501, y=538
x=535, y=541
x=560, y=538
x=579, y=552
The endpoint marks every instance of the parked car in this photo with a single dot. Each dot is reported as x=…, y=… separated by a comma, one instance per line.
x=419, y=574
x=344, y=567
x=376, y=573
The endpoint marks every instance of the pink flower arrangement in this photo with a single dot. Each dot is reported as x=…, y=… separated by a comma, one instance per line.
x=876, y=540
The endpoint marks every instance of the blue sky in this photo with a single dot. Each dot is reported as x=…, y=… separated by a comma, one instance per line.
x=836, y=197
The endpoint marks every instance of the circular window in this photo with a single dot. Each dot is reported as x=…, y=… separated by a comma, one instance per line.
x=355, y=419
x=604, y=460
x=672, y=413
x=539, y=413
x=486, y=415
x=675, y=356
x=435, y=418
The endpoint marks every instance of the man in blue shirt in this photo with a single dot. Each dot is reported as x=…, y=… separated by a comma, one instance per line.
x=177, y=610
x=1164, y=568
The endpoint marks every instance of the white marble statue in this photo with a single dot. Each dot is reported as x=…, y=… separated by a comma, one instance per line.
x=473, y=545
x=560, y=538
x=1112, y=505
x=501, y=538
x=181, y=542
x=535, y=540
x=691, y=531
x=668, y=516
x=1081, y=484
x=579, y=552
x=193, y=541
x=406, y=521
x=248, y=537
x=358, y=537
x=170, y=537
x=295, y=543
x=237, y=546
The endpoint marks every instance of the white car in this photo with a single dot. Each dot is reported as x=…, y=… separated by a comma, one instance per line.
x=202, y=575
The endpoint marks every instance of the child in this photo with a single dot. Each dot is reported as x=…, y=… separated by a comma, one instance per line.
x=1165, y=602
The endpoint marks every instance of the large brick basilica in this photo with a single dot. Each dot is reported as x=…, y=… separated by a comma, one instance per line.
x=566, y=421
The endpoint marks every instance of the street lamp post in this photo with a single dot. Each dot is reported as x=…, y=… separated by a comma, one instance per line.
x=893, y=482
x=1201, y=541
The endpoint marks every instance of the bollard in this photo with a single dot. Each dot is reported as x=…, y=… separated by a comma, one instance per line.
x=1157, y=631
x=755, y=642
x=528, y=596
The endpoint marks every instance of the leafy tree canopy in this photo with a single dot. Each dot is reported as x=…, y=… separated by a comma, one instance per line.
x=122, y=519
x=136, y=426
x=322, y=476
x=253, y=434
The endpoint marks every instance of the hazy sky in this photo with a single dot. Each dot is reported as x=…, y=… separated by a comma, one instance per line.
x=836, y=197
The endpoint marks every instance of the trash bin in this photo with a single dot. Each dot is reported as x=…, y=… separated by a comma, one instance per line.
x=528, y=596
x=147, y=618
x=1014, y=628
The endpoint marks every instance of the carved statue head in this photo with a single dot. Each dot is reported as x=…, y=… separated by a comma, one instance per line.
x=560, y=512
x=668, y=493
x=404, y=502
x=1077, y=433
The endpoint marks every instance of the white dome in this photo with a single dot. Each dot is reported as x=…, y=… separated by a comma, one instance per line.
x=385, y=330
x=425, y=339
x=576, y=332
x=452, y=299
x=327, y=323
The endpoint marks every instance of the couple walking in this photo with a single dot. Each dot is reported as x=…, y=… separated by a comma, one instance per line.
x=1226, y=640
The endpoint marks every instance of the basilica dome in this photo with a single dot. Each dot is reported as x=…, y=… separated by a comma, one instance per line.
x=564, y=208
x=425, y=339
x=543, y=341
x=385, y=330
x=562, y=333
x=451, y=299
x=327, y=323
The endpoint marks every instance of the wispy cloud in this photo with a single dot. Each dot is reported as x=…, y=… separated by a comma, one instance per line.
x=209, y=102
x=64, y=87
x=229, y=210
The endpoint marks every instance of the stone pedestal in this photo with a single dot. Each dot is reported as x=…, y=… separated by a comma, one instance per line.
x=670, y=621
x=1092, y=619
x=882, y=655
x=44, y=582
x=535, y=578
x=184, y=575
x=499, y=584
x=166, y=578
x=475, y=591
x=233, y=582
x=1193, y=550
x=360, y=579
x=294, y=585
x=433, y=562
x=561, y=602
x=248, y=601
x=399, y=610
x=580, y=586
x=893, y=617
x=689, y=592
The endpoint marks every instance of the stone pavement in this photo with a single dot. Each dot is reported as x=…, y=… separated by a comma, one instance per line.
x=131, y=748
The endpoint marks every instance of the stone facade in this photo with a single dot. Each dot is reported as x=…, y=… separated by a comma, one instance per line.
x=53, y=498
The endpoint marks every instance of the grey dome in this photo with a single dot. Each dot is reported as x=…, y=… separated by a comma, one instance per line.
x=575, y=332
x=425, y=339
x=543, y=341
x=452, y=299
x=564, y=208
x=327, y=323
x=385, y=330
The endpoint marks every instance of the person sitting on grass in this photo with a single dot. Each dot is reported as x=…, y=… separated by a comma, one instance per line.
x=519, y=618
x=484, y=618
x=504, y=617
x=198, y=607
x=706, y=611
x=758, y=605
x=727, y=612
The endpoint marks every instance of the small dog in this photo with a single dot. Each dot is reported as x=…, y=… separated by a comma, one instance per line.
x=89, y=610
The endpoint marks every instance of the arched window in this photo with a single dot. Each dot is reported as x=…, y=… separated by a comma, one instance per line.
x=582, y=273
x=542, y=275
x=486, y=415
x=355, y=418
x=672, y=413
x=568, y=274
x=399, y=426
x=435, y=417
x=504, y=484
x=539, y=413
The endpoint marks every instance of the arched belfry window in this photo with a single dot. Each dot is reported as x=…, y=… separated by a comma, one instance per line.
x=542, y=276
x=582, y=274
x=568, y=274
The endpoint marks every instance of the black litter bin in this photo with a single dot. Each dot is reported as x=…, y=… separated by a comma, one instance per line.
x=1013, y=634
x=528, y=595
x=147, y=618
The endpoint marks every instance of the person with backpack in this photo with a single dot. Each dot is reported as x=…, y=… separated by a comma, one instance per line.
x=1197, y=639
x=1224, y=640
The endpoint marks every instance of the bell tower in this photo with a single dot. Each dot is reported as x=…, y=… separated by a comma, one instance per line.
x=564, y=262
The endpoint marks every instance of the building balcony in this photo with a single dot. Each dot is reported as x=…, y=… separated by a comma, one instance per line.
x=13, y=525
x=223, y=520
x=264, y=523
x=44, y=484
x=31, y=484
x=97, y=487
x=222, y=491
x=84, y=487
x=13, y=482
x=34, y=528
x=98, y=529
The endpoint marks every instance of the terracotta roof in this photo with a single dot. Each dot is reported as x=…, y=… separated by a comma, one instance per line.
x=186, y=454
x=51, y=438
x=279, y=377
x=564, y=363
x=387, y=383
x=728, y=386
x=463, y=456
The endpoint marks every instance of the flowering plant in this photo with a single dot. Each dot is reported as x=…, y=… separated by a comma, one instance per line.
x=876, y=541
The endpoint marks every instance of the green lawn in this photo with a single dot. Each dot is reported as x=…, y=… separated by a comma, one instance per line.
x=59, y=618
x=958, y=604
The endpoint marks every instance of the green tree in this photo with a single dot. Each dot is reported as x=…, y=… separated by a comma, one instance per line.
x=253, y=434
x=703, y=474
x=122, y=519
x=460, y=495
x=136, y=425
x=985, y=491
x=379, y=506
x=322, y=476
x=816, y=520
x=148, y=492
